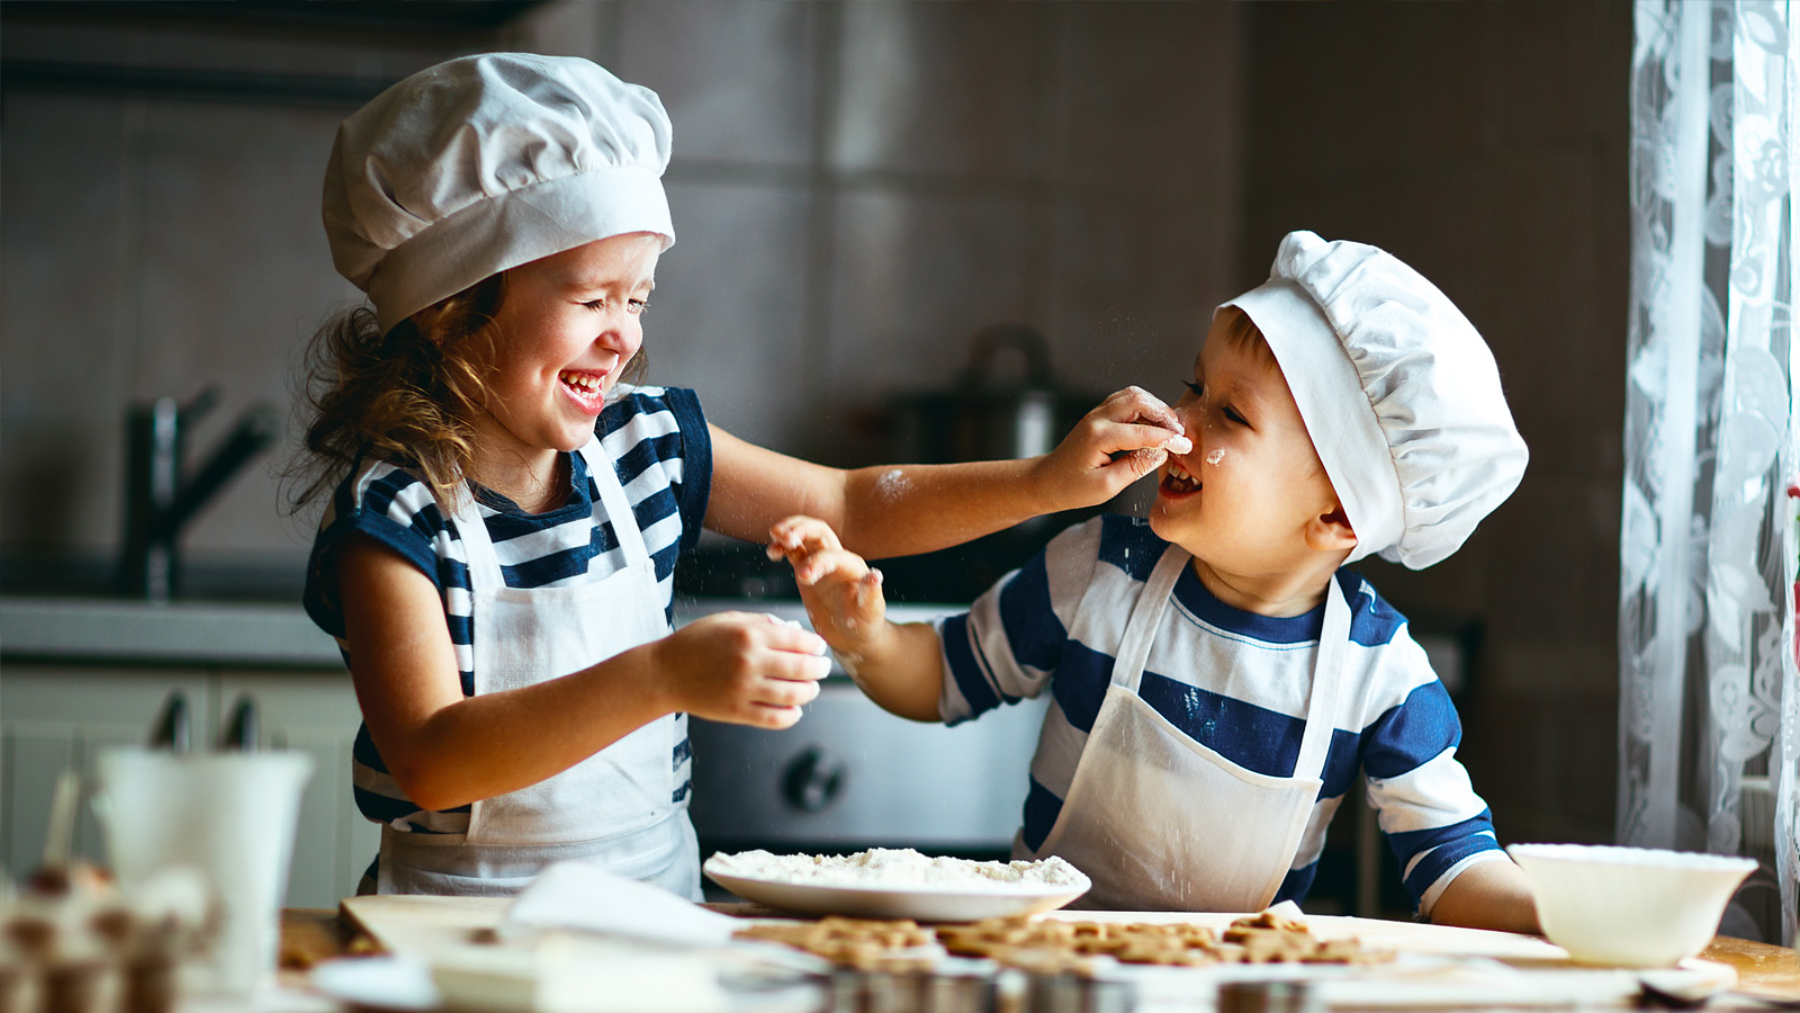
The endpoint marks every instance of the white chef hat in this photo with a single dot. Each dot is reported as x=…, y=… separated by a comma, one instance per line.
x=487, y=162
x=1399, y=393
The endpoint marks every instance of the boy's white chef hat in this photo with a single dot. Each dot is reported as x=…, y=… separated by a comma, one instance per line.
x=1400, y=395
x=487, y=162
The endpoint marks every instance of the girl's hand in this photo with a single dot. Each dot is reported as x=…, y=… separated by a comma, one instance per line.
x=1128, y=436
x=743, y=668
x=841, y=591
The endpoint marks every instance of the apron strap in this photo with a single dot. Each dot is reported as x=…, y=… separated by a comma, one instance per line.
x=613, y=503
x=1328, y=678
x=1146, y=616
x=610, y=505
x=478, y=549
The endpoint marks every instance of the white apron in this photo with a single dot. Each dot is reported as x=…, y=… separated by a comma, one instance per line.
x=1161, y=822
x=614, y=808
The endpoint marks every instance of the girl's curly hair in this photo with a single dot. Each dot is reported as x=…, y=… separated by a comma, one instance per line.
x=408, y=397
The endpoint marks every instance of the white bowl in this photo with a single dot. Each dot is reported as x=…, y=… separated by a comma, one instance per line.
x=1629, y=907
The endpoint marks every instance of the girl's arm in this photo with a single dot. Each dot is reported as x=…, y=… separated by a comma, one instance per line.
x=899, y=666
x=444, y=749
x=899, y=510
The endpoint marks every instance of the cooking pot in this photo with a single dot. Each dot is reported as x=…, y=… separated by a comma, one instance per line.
x=988, y=414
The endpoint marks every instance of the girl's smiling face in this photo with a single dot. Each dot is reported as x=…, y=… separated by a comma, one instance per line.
x=567, y=327
x=1244, y=500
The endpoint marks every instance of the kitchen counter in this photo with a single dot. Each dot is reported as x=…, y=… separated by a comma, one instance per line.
x=237, y=634
x=179, y=633
x=312, y=935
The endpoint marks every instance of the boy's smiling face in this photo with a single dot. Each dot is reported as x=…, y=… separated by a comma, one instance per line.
x=1251, y=502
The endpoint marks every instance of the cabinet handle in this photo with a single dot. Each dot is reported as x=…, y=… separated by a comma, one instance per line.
x=241, y=732
x=172, y=730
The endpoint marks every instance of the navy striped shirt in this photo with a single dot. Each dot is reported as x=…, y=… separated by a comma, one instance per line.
x=658, y=442
x=1236, y=681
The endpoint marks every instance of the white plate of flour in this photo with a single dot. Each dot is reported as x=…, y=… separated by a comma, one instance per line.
x=898, y=883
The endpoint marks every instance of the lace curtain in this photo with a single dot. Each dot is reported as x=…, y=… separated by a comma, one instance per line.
x=1709, y=704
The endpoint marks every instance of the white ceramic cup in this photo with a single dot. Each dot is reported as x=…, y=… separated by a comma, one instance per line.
x=230, y=815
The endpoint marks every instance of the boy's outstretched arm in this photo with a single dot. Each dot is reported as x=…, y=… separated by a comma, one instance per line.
x=902, y=509
x=1491, y=895
x=899, y=665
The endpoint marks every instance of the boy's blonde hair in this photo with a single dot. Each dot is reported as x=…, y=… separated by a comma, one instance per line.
x=1242, y=332
x=408, y=397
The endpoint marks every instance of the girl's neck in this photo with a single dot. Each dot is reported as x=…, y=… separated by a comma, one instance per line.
x=535, y=486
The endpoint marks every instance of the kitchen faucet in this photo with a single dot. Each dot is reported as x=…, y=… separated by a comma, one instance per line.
x=160, y=496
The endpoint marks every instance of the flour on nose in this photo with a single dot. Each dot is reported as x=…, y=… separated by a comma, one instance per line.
x=1215, y=455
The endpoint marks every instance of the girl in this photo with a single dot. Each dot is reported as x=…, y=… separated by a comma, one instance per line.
x=506, y=507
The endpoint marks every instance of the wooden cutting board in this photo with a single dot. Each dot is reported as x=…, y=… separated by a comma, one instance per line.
x=1441, y=966
x=415, y=926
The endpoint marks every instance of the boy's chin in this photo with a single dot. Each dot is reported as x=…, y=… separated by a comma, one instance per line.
x=1165, y=527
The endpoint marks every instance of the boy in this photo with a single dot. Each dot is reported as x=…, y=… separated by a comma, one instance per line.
x=1193, y=755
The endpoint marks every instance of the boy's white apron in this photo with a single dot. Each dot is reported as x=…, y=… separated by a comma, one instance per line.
x=614, y=808
x=1160, y=821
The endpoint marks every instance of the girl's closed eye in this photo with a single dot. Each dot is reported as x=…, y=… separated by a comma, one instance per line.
x=1196, y=389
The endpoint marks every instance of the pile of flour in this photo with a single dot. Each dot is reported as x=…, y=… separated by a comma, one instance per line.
x=898, y=869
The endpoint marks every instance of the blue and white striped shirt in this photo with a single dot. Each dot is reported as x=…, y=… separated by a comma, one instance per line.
x=1236, y=681
x=658, y=442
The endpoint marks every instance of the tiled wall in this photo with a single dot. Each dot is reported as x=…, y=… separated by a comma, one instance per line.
x=856, y=189
x=1486, y=144
x=150, y=245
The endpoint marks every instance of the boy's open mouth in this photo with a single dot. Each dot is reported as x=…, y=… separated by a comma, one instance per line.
x=1178, y=481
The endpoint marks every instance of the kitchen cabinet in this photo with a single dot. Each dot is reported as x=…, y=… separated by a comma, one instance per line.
x=316, y=713
x=56, y=717
x=77, y=678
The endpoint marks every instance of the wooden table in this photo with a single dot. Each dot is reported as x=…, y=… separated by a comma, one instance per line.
x=1762, y=969
x=309, y=935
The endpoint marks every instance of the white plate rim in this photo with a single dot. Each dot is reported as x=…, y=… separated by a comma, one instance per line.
x=908, y=902
x=380, y=981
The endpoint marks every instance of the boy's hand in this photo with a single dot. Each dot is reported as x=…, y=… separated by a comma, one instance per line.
x=841, y=591
x=741, y=667
x=1128, y=436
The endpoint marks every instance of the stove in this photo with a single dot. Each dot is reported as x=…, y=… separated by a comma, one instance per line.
x=851, y=776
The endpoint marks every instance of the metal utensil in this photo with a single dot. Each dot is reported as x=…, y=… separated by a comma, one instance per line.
x=59, y=839
x=1650, y=996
